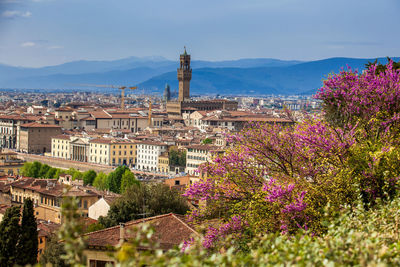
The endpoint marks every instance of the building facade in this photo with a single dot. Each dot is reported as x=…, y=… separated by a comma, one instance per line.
x=148, y=153
x=36, y=137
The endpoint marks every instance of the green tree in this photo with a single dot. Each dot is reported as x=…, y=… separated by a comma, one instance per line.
x=88, y=177
x=177, y=157
x=114, y=179
x=94, y=227
x=43, y=170
x=207, y=141
x=35, y=169
x=31, y=169
x=51, y=174
x=28, y=241
x=9, y=235
x=53, y=252
x=128, y=179
x=100, y=182
x=146, y=199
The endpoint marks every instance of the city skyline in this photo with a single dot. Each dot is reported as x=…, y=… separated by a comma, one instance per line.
x=36, y=33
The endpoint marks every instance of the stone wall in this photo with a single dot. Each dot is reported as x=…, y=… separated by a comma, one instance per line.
x=66, y=164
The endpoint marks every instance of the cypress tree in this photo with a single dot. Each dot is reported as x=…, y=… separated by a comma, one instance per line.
x=28, y=241
x=9, y=235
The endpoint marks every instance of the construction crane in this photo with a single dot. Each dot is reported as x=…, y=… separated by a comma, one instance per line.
x=150, y=112
x=122, y=88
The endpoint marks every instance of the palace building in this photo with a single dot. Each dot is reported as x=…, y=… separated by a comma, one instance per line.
x=184, y=104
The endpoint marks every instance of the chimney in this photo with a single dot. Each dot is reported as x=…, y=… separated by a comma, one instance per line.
x=121, y=233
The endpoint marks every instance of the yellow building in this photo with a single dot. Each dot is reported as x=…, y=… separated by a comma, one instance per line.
x=163, y=163
x=47, y=195
x=123, y=152
x=10, y=164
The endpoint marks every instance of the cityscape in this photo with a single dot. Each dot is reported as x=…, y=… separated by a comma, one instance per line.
x=189, y=160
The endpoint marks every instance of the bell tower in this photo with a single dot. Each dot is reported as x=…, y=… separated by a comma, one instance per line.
x=184, y=77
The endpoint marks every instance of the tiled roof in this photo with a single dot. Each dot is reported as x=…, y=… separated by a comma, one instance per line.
x=169, y=230
x=51, y=187
x=46, y=228
x=150, y=142
x=62, y=136
x=39, y=125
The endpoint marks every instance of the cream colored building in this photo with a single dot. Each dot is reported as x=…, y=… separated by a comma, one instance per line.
x=102, y=206
x=60, y=146
x=99, y=151
x=199, y=154
x=148, y=153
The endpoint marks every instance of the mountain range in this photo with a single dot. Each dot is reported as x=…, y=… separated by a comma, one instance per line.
x=258, y=76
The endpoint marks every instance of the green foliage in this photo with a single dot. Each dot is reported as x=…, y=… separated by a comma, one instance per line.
x=28, y=241
x=53, y=252
x=76, y=175
x=88, y=177
x=114, y=179
x=128, y=179
x=380, y=67
x=71, y=232
x=94, y=227
x=146, y=199
x=38, y=170
x=354, y=237
x=52, y=174
x=31, y=169
x=9, y=235
x=100, y=182
x=177, y=157
x=206, y=141
x=44, y=169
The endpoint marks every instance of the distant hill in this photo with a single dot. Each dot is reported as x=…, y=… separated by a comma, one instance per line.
x=294, y=79
x=243, y=76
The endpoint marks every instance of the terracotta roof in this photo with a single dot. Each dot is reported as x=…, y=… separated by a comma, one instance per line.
x=88, y=119
x=151, y=142
x=100, y=114
x=169, y=230
x=47, y=228
x=39, y=125
x=51, y=187
x=19, y=117
x=61, y=136
x=111, y=141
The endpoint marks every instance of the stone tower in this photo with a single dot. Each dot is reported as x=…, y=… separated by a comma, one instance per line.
x=167, y=93
x=184, y=77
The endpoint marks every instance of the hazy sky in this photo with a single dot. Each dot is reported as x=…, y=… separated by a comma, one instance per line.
x=48, y=32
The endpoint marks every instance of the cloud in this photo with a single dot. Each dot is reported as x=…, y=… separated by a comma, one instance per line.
x=28, y=44
x=15, y=14
x=55, y=47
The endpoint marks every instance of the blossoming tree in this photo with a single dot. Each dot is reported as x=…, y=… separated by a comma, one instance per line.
x=281, y=178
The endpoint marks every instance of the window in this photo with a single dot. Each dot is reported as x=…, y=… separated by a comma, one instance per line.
x=85, y=204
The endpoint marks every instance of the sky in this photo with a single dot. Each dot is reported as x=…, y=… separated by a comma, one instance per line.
x=37, y=33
